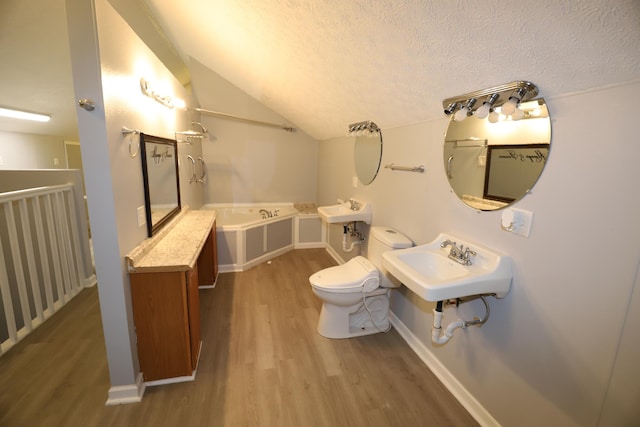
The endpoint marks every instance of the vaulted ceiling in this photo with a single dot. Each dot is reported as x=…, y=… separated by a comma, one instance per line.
x=325, y=64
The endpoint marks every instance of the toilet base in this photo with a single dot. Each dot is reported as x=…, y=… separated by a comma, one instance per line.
x=338, y=322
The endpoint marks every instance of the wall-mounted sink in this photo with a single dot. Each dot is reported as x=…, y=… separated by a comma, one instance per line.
x=343, y=213
x=429, y=271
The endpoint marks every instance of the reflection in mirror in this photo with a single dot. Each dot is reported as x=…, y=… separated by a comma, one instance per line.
x=367, y=150
x=491, y=165
x=161, y=185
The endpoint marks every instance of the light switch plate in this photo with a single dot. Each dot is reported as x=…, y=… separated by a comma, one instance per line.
x=517, y=221
x=355, y=181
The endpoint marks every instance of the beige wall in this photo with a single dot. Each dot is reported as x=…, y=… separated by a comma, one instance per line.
x=30, y=151
x=546, y=355
x=249, y=163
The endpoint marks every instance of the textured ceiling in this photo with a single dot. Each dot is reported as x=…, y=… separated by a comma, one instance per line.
x=325, y=64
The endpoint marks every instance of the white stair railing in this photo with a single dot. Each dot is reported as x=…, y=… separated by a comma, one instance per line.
x=41, y=264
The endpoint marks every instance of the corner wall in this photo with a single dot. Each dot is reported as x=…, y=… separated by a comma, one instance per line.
x=546, y=355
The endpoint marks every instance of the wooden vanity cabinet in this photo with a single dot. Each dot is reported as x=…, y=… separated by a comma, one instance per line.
x=166, y=311
x=165, y=275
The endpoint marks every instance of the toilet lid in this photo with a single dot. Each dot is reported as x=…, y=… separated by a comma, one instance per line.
x=352, y=276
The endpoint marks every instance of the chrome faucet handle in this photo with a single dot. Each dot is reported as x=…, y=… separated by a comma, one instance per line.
x=467, y=256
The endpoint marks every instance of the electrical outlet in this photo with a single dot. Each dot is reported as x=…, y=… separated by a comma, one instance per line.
x=142, y=217
x=1, y=161
x=56, y=161
x=355, y=182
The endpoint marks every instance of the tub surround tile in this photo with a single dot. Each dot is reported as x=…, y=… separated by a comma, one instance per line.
x=176, y=247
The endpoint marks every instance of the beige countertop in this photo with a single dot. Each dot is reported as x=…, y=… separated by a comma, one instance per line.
x=176, y=246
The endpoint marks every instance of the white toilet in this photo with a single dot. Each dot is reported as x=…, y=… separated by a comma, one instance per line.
x=355, y=295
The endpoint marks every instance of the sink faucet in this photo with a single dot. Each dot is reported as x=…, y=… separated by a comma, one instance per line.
x=354, y=205
x=460, y=254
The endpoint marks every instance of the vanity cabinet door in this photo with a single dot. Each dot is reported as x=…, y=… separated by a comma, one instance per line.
x=160, y=312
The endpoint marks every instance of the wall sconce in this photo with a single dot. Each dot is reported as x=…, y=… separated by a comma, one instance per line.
x=23, y=115
x=165, y=100
x=367, y=128
x=489, y=99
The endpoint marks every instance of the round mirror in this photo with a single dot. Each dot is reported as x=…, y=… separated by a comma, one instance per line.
x=367, y=156
x=491, y=165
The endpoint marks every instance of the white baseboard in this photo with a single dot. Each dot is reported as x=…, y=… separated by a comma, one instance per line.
x=334, y=254
x=88, y=282
x=466, y=399
x=131, y=393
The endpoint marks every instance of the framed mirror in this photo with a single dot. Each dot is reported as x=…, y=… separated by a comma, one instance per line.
x=491, y=165
x=161, y=183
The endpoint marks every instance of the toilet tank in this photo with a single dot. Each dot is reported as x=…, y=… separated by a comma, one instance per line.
x=381, y=240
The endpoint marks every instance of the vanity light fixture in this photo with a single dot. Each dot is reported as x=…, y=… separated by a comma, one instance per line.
x=489, y=99
x=23, y=115
x=487, y=106
x=465, y=111
x=510, y=106
x=451, y=108
x=165, y=100
x=367, y=128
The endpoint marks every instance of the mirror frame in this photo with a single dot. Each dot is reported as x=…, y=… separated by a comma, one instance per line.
x=172, y=143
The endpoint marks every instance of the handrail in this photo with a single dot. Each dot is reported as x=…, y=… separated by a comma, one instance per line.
x=12, y=196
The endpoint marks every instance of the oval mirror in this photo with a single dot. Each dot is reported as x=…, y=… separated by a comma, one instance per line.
x=492, y=165
x=367, y=156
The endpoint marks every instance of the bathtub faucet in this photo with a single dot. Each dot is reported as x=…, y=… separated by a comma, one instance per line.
x=265, y=213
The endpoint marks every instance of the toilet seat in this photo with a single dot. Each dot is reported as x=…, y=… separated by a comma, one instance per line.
x=356, y=275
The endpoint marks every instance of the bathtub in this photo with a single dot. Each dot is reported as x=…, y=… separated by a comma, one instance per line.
x=248, y=235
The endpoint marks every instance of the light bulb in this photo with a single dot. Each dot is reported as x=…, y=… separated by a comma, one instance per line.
x=510, y=106
x=483, y=111
x=494, y=117
x=461, y=114
x=518, y=114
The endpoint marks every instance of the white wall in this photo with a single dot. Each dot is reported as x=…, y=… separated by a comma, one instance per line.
x=248, y=163
x=108, y=62
x=30, y=151
x=546, y=355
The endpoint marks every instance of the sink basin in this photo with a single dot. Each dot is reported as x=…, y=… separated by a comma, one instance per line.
x=428, y=271
x=343, y=214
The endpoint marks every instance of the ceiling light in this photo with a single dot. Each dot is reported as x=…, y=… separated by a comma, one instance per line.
x=23, y=115
x=486, y=107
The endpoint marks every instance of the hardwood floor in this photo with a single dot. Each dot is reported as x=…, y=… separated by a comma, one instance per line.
x=262, y=364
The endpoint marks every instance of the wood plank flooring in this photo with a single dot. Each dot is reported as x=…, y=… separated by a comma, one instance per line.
x=262, y=364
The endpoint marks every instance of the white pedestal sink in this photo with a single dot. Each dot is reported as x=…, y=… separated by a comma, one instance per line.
x=343, y=214
x=428, y=271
